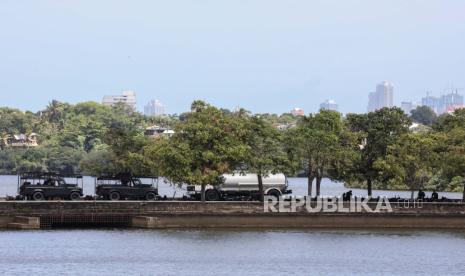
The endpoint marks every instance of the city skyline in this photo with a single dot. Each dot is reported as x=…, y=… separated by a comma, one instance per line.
x=403, y=102
x=447, y=102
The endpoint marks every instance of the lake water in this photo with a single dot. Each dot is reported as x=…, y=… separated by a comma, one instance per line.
x=231, y=252
x=8, y=186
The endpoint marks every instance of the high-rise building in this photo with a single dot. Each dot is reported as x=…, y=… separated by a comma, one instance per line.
x=407, y=107
x=329, y=105
x=154, y=108
x=297, y=111
x=382, y=97
x=445, y=103
x=128, y=98
x=451, y=102
x=431, y=102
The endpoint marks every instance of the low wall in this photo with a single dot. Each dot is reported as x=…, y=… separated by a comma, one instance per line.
x=31, y=208
x=130, y=208
x=180, y=214
x=5, y=220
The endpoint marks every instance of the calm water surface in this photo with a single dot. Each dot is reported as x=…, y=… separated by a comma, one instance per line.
x=230, y=252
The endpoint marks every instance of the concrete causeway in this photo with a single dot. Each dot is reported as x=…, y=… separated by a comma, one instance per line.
x=225, y=214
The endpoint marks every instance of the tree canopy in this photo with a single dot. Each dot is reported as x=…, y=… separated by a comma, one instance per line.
x=205, y=146
x=376, y=131
x=423, y=115
x=265, y=153
x=375, y=150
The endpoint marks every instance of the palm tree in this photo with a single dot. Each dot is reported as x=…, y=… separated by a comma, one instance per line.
x=4, y=140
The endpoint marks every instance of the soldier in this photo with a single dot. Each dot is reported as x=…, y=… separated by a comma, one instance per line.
x=434, y=196
x=421, y=194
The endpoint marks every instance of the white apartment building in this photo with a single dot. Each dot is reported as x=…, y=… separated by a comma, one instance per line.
x=128, y=98
x=154, y=108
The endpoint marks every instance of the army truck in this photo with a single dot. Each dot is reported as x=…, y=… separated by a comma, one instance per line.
x=126, y=187
x=49, y=185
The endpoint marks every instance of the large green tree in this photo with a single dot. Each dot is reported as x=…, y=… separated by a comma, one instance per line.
x=321, y=146
x=410, y=160
x=452, y=152
x=376, y=131
x=204, y=147
x=265, y=153
x=451, y=127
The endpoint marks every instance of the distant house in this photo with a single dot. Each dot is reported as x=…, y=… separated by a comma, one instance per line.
x=419, y=128
x=157, y=131
x=284, y=126
x=22, y=141
x=297, y=111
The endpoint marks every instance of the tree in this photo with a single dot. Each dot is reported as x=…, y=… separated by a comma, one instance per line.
x=448, y=122
x=127, y=146
x=376, y=131
x=265, y=153
x=68, y=133
x=14, y=121
x=321, y=146
x=423, y=115
x=203, y=148
x=452, y=154
x=99, y=161
x=63, y=159
x=56, y=112
x=4, y=138
x=451, y=128
x=409, y=160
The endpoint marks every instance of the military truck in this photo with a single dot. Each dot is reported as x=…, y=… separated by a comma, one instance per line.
x=49, y=185
x=119, y=187
x=241, y=186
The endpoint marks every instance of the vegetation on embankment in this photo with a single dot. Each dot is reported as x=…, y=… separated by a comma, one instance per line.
x=380, y=148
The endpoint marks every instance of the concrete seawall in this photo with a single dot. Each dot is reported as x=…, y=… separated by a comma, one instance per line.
x=183, y=214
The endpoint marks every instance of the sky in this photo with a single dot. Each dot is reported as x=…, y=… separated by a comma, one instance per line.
x=262, y=55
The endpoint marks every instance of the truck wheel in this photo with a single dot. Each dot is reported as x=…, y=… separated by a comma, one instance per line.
x=274, y=193
x=38, y=196
x=212, y=195
x=74, y=196
x=114, y=196
x=150, y=196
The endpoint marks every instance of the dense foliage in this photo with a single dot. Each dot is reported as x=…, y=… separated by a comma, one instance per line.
x=380, y=149
x=87, y=136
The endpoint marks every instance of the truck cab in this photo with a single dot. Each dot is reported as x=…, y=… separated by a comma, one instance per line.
x=239, y=186
x=49, y=185
x=126, y=187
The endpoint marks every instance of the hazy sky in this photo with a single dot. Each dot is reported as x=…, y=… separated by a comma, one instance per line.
x=266, y=56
